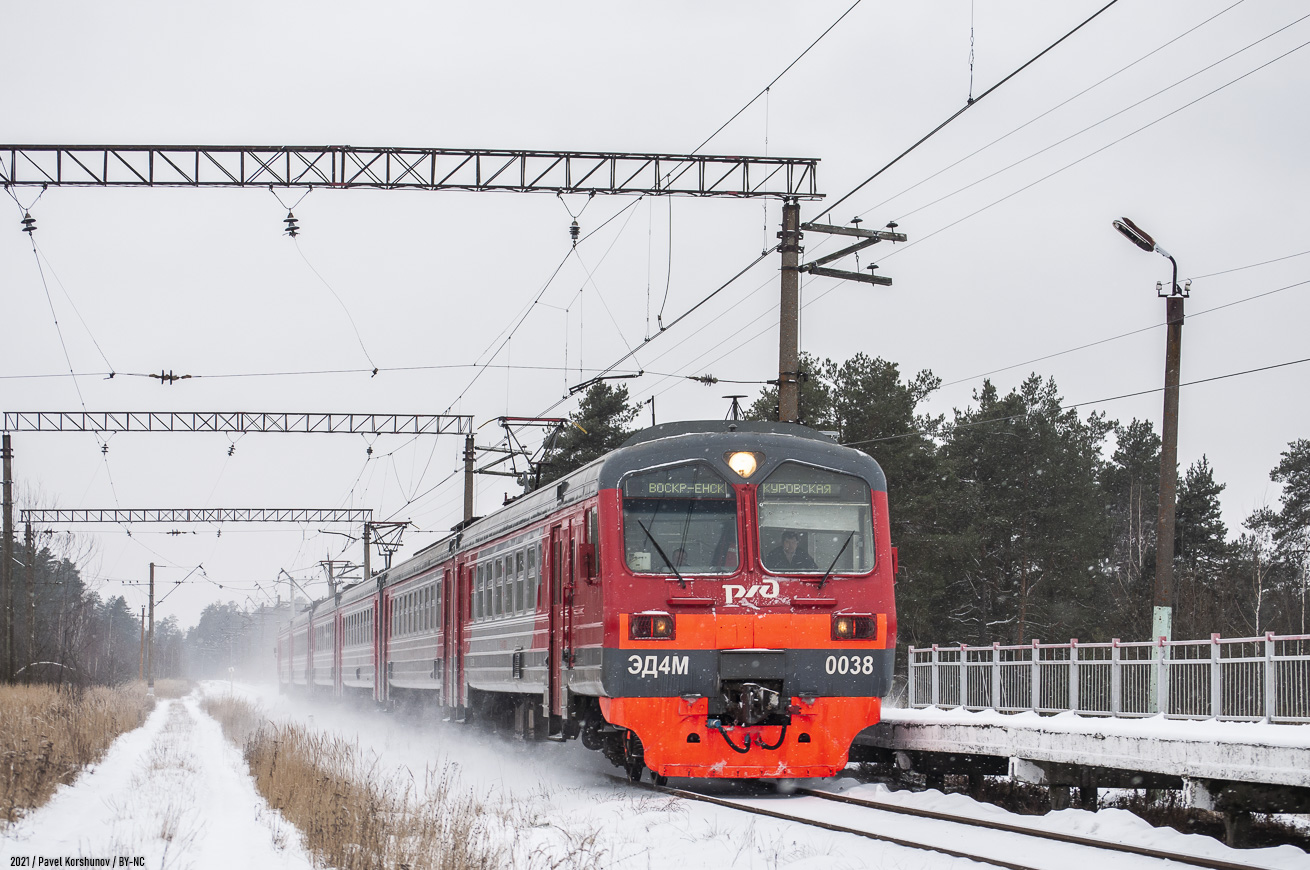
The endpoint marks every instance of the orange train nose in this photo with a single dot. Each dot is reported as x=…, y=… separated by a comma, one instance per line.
x=680, y=739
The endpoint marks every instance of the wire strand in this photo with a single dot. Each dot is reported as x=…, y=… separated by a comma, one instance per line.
x=967, y=106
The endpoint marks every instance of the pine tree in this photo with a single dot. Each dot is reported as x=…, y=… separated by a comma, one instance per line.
x=602, y=423
x=1030, y=528
x=1131, y=481
x=1204, y=579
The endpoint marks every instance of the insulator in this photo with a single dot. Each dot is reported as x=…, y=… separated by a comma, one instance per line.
x=369, y=451
x=293, y=228
x=857, y=220
x=231, y=450
x=891, y=225
x=574, y=229
x=29, y=223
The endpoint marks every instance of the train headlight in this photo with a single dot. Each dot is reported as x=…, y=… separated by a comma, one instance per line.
x=845, y=627
x=651, y=626
x=744, y=462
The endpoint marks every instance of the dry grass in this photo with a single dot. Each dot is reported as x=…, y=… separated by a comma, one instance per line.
x=353, y=815
x=171, y=688
x=47, y=736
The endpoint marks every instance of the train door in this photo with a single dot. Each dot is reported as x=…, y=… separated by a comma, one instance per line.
x=383, y=644
x=447, y=602
x=555, y=599
x=463, y=614
x=570, y=590
x=337, y=640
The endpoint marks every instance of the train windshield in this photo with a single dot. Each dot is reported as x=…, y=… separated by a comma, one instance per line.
x=684, y=516
x=812, y=520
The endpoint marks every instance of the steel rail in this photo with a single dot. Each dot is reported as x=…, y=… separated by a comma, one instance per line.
x=1073, y=839
x=828, y=826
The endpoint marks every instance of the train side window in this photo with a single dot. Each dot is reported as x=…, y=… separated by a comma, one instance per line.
x=520, y=598
x=532, y=576
x=478, y=593
x=501, y=604
x=511, y=578
x=499, y=589
x=593, y=538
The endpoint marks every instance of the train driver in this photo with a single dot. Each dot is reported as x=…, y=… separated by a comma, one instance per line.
x=789, y=555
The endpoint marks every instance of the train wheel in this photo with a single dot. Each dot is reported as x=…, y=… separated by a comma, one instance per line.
x=634, y=757
x=659, y=779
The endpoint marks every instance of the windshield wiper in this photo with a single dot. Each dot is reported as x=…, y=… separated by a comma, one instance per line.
x=828, y=573
x=663, y=555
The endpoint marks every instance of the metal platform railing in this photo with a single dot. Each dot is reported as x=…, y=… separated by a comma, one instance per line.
x=1241, y=679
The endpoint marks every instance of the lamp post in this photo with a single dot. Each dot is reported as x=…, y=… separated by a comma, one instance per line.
x=1162, y=598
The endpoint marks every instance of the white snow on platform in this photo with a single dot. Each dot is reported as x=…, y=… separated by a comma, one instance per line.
x=1204, y=749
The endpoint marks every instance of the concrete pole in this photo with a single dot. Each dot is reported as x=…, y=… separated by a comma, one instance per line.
x=789, y=314
x=141, y=664
x=150, y=637
x=29, y=537
x=368, y=563
x=468, y=476
x=7, y=556
x=1162, y=599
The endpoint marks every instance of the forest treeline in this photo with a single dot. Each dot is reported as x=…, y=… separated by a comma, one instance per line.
x=65, y=632
x=1016, y=518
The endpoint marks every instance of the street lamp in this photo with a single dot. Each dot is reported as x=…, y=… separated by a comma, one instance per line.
x=1162, y=598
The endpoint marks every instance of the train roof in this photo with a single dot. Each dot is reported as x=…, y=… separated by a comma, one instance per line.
x=665, y=444
x=712, y=441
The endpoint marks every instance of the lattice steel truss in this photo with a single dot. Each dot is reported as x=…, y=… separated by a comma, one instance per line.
x=237, y=422
x=343, y=166
x=354, y=516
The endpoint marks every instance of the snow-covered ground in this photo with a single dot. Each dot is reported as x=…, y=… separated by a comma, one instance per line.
x=173, y=792
x=553, y=805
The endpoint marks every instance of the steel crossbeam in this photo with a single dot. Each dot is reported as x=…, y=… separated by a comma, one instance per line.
x=237, y=422
x=353, y=516
x=343, y=166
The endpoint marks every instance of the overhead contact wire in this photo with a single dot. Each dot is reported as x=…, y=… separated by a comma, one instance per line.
x=966, y=107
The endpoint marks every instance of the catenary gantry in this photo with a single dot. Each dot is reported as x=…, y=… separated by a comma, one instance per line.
x=237, y=422
x=344, y=166
x=197, y=515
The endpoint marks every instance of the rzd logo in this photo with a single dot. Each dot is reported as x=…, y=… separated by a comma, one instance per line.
x=767, y=589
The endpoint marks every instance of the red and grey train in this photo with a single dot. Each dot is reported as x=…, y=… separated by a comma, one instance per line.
x=712, y=599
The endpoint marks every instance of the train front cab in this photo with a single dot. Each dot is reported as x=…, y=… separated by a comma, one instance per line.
x=765, y=657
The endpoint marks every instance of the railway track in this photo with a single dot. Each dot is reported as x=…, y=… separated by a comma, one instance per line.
x=1000, y=854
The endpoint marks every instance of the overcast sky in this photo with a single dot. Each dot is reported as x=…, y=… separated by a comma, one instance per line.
x=1011, y=255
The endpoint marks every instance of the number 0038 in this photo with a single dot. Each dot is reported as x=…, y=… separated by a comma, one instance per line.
x=850, y=665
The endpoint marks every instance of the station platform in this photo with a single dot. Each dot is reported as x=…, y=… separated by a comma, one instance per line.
x=1253, y=752
x=1233, y=768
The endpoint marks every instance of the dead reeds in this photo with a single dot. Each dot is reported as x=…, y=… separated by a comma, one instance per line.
x=47, y=736
x=353, y=814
